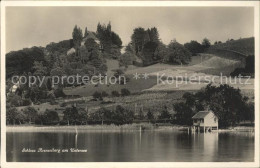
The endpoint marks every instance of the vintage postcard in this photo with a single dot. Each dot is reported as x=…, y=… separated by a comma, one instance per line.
x=129, y=84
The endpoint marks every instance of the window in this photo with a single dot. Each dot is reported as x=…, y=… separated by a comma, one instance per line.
x=202, y=120
x=215, y=119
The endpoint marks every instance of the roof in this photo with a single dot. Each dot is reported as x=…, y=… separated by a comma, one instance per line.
x=201, y=114
x=90, y=35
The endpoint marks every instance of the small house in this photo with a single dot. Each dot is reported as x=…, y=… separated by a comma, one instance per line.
x=205, y=120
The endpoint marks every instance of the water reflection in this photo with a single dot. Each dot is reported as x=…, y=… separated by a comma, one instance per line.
x=138, y=146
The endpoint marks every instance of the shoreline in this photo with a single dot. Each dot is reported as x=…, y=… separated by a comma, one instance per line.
x=109, y=128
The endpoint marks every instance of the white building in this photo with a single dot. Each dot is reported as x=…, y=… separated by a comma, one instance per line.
x=205, y=120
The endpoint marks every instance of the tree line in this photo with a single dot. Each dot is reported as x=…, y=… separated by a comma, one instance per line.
x=226, y=102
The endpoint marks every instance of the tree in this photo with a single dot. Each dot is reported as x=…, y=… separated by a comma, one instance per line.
x=77, y=36
x=160, y=51
x=140, y=115
x=226, y=102
x=110, y=41
x=86, y=32
x=149, y=115
x=122, y=116
x=126, y=59
x=30, y=114
x=71, y=115
x=194, y=47
x=165, y=115
x=138, y=39
x=11, y=115
x=205, y=43
x=103, y=114
x=148, y=52
x=83, y=116
x=22, y=61
x=190, y=99
x=125, y=92
x=153, y=35
x=177, y=54
x=116, y=39
x=51, y=116
x=14, y=100
x=39, y=69
x=118, y=73
x=183, y=114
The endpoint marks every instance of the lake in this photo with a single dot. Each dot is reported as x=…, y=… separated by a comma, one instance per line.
x=131, y=146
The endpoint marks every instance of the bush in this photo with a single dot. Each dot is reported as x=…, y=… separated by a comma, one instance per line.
x=125, y=92
x=115, y=93
x=27, y=102
x=59, y=93
x=96, y=95
x=14, y=100
x=104, y=94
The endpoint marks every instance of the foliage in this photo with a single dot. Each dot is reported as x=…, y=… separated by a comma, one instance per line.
x=249, y=69
x=14, y=100
x=30, y=114
x=126, y=59
x=71, y=115
x=125, y=92
x=11, y=115
x=49, y=117
x=115, y=93
x=118, y=73
x=18, y=62
x=148, y=53
x=122, y=116
x=183, y=113
x=86, y=32
x=77, y=36
x=97, y=95
x=177, y=54
x=194, y=47
x=118, y=116
x=164, y=114
x=110, y=41
x=149, y=115
x=144, y=43
x=39, y=69
x=226, y=102
x=59, y=92
x=205, y=43
x=104, y=94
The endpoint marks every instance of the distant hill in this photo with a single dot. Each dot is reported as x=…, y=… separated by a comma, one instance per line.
x=234, y=49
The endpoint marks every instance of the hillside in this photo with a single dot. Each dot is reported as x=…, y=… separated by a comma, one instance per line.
x=234, y=49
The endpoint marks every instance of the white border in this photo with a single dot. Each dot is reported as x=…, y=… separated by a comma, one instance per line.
x=5, y=164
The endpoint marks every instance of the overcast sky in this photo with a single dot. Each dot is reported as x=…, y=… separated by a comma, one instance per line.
x=38, y=26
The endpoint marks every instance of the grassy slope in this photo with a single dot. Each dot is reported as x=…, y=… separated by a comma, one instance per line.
x=234, y=49
x=212, y=64
x=199, y=66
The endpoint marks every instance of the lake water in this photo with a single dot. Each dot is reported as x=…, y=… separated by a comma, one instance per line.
x=135, y=146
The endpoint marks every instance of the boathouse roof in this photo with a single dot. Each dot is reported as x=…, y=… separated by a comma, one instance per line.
x=201, y=114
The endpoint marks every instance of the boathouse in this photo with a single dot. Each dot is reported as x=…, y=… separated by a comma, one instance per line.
x=205, y=121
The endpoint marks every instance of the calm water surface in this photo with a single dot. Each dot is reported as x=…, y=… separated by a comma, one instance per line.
x=146, y=146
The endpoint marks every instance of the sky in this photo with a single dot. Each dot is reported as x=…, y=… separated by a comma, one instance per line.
x=39, y=26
